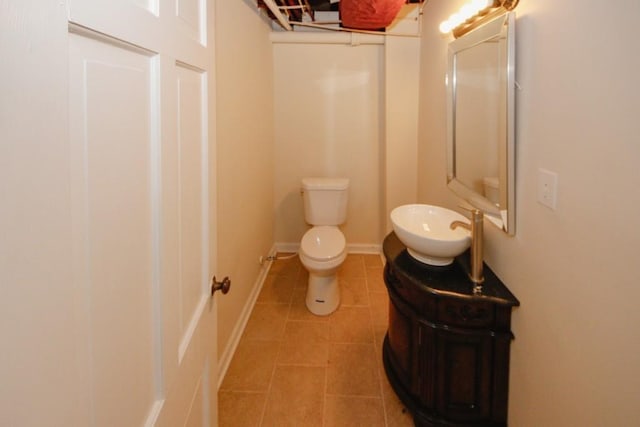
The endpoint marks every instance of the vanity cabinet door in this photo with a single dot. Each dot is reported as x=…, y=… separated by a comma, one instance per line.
x=427, y=362
x=400, y=337
x=464, y=375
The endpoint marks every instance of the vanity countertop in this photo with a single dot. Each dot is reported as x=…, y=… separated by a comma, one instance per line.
x=450, y=281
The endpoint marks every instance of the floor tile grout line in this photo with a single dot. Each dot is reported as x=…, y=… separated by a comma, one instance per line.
x=378, y=373
x=326, y=386
x=275, y=366
x=269, y=387
x=355, y=397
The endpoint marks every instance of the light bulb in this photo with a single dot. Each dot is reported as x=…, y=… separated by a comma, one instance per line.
x=456, y=19
x=467, y=11
x=482, y=4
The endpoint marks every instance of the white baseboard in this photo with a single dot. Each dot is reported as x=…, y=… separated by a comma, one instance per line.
x=287, y=247
x=236, y=334
x=352, y=248
x=364, y=248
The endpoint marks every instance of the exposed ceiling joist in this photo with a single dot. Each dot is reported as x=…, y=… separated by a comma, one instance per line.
x=367, y=15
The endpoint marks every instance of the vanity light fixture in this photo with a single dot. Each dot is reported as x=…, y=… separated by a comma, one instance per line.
x=475, y=13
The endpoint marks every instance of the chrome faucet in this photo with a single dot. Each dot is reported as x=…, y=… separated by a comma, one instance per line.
x=477, y=238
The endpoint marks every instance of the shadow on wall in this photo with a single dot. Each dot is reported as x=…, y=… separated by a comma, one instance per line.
x=291, y=211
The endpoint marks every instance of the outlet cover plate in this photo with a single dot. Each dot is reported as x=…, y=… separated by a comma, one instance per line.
x=547, y=188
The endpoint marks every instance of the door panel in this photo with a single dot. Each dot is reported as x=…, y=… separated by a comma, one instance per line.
x=192, y=200
x=197, y=409
x=464, y=382
x=137, y=22
x=190, y=15
x=112, y=223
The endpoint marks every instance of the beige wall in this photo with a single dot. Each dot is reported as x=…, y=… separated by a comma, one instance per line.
x=328, y=104
x=245, y=154
x=350, y=111
x=401, y=122
x=402, y=79
x=575, y=359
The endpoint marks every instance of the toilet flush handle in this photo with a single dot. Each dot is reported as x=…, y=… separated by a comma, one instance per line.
x=220, y=286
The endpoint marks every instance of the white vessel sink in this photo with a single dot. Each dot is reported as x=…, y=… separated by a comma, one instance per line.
x=425, y=230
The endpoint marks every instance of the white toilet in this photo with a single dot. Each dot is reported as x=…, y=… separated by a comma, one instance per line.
x=323, y=247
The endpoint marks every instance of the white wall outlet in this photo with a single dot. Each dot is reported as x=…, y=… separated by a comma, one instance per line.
x=547, y=188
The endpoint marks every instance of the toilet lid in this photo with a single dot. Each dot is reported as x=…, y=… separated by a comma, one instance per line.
x=323, y=243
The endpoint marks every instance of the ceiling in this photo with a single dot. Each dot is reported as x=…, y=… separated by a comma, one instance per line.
x=324, y=5
x=356, y=14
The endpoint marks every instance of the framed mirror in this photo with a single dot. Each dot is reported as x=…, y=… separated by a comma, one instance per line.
x=481, y=119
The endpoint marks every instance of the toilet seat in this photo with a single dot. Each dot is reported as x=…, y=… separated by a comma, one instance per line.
x=323, y=243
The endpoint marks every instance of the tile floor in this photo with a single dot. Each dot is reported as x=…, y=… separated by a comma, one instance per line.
x=293, y=368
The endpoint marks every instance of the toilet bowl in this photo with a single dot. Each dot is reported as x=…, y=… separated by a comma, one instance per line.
x=323, y=246
x=322, y=251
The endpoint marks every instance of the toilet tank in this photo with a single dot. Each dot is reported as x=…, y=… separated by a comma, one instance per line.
x=325, y=200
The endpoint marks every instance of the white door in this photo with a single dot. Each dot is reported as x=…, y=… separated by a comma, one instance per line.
x=135, y=218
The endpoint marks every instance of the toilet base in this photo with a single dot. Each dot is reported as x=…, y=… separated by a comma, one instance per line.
x=323, y=294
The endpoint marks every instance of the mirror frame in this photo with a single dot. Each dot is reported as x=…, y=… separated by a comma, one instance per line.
x=503, y=216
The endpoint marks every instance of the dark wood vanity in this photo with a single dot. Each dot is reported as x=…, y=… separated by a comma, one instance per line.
x=446, y=352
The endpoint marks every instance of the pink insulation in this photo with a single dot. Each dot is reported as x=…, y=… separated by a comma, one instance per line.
x=369, y=14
